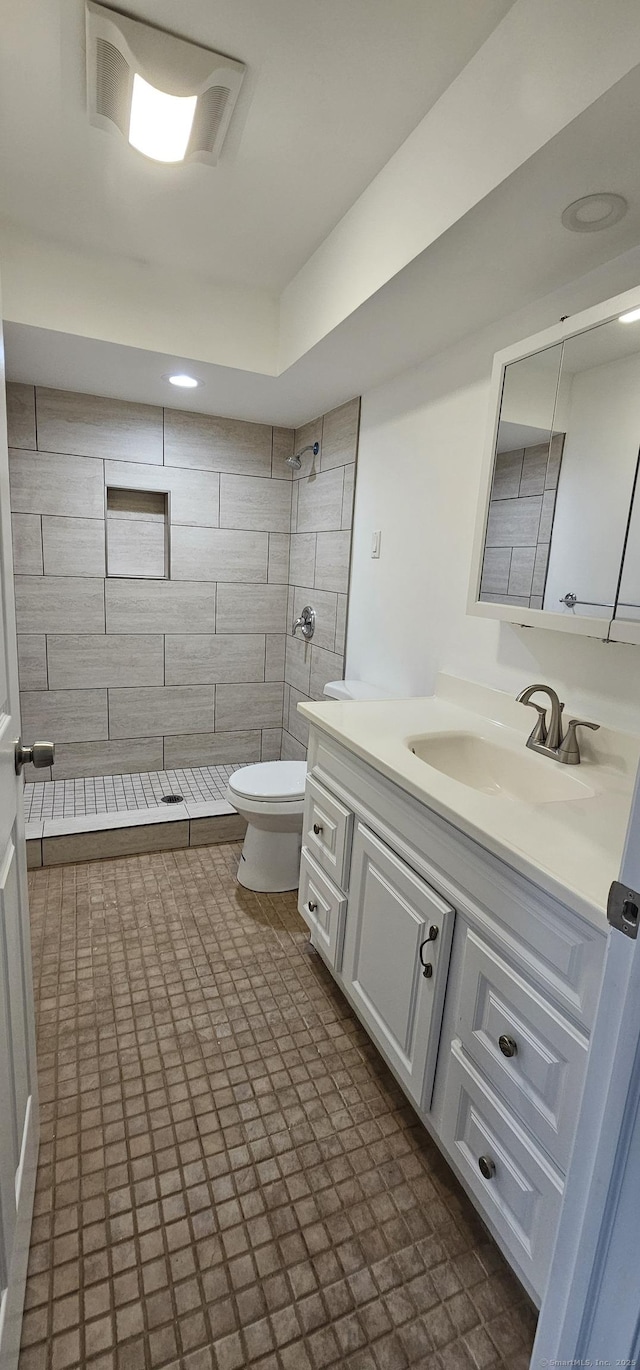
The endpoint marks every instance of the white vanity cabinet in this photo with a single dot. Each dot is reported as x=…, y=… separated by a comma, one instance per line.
x=478, y=988
x=395, y=959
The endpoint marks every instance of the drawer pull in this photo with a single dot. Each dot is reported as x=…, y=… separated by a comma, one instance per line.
x=427, y=968
x=318, y=828
x=507, y=1045
x=487, y=1167
x=311, y=907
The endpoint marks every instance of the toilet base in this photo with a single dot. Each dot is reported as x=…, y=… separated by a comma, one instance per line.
x=270, y=861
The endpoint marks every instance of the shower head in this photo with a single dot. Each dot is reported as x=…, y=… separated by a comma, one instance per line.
x=295, y=461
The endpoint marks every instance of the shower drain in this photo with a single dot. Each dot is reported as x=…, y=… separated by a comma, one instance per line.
x=171, y=799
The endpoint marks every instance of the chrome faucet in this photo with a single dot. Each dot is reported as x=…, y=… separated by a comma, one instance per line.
x=547, y=738
x=306, y=623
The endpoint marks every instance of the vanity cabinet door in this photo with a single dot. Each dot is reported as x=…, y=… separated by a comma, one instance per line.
x=396, y=958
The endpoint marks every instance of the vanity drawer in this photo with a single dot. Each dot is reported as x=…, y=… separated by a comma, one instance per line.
x=525, y=1047
x=517, y=1189
x=323, y=908
x=327, y=831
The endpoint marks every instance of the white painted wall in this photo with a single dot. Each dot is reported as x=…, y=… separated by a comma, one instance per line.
x=421, y=441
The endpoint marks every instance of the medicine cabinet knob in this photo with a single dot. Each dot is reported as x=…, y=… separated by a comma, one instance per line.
x=40, y=754
x=487, y=1167
x=507, y=1045
x=317, y=828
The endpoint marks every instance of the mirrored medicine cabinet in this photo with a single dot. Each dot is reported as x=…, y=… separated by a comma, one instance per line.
x=558, y=535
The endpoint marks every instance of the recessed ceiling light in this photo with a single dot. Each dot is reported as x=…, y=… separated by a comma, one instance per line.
x=631, y=317
x=185, y=382
x=172, y=100
x=594, y=212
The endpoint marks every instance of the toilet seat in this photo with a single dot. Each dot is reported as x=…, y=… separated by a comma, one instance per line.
x=276, y=782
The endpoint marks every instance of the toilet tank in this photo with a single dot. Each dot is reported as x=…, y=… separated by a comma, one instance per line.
x=354, y=689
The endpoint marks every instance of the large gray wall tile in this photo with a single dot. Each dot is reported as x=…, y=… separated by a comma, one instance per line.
x=281, y=448
x=540, y=569
x=495, y=570
x=297, y=663
x=534, y=469
x=194, y=495
x=200, y=659
x=237, y=703
x=64, y=715
x=21, y=415
x=292, y=750
x=279, y=558
x=73, y=546
x=166, y=710
x=306, y=436
x=32, y=661
x=294, y=723
x=137, y=548
x=77, y=759
x=45, y=483
x=97, y=846
x=274, y=657
x=251, y=608
x=514, y=522
x=215, y=444
x=506, y=475
x=26, y=536
x=547, y=515
x=255, y=503
x=106, y=659
x=218, y=554
x=348, y=495
x=302, y=559
x=340, y=435
x=59, y=604
x=325, y=666
x=341, y=623
x=160, y=606
x=332, y=561
x=93, y=426
x=271, y=748
x=521, y=571
x=212, y=749
x=325, y=605
x=320, y=502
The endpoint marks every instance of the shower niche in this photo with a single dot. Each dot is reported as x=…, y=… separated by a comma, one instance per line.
x=137, y=534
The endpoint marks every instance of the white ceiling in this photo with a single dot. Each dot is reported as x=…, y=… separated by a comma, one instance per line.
x=510, y=250
x=333, y=88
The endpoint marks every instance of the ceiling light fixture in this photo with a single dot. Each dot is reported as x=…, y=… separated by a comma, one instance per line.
x=592, y=213
x=185, y=382
x=172, y=100
x=632, y=316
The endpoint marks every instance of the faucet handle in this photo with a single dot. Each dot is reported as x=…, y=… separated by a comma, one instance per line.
x=569, y=750
x=539, y=733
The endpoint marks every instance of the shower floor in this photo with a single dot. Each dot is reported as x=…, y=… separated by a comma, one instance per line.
x=105, y=815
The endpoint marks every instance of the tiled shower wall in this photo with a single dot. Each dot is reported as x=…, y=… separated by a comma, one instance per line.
x=128, y=673
x=321, y=524
x=520, y=523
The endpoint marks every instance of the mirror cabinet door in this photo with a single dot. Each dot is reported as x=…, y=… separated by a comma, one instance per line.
x=525, y=477
x=565, y=471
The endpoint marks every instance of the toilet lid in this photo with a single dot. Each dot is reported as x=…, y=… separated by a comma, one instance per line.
x=271, y=780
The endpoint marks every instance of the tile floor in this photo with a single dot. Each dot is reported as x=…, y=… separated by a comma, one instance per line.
x=119, y=793
x=229, y=1176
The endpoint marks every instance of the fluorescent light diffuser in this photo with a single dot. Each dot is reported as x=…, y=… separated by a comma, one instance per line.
x=186, y=382
x=160, y=124
x=631, y=317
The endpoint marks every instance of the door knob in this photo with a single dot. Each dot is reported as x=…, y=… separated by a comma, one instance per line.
x=40, y=754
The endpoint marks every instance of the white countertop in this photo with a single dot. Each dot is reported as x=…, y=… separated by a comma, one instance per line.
x=571, y=848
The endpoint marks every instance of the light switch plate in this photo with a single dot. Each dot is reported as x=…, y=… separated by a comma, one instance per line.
x=375, y=543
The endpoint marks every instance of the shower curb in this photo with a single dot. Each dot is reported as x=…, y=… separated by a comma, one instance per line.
x=133, y=838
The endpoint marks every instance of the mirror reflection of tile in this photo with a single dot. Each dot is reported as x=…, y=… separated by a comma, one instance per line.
x=519, y=527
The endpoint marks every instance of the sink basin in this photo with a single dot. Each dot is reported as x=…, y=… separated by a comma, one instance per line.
x=487, y=766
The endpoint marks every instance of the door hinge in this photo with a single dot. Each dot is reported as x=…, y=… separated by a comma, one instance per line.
x=623, y=909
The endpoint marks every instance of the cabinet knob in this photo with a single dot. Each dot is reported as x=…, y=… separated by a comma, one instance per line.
x=311, y=907
x=317, y=828
x=487, y=1167
x=507, y=1045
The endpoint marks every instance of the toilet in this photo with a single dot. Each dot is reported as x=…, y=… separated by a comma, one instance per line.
x=270, y=796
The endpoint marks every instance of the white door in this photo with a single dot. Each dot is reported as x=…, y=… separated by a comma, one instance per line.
x=396, y=955
x=591, y=1311
x=18, y=1090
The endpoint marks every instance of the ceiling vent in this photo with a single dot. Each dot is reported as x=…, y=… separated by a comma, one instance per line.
x=171, y=99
